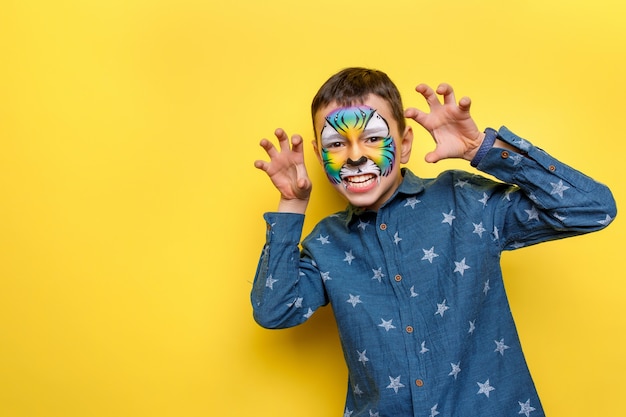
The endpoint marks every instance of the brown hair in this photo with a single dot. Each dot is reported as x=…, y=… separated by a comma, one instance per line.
x=351, y=85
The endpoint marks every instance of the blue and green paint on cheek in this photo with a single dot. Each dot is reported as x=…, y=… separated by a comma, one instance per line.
x=356, y=122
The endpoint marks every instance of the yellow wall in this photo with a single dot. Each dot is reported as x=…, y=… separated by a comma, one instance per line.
x=130, y=210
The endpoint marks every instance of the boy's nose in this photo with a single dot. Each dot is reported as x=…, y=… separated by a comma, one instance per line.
x=358, y=162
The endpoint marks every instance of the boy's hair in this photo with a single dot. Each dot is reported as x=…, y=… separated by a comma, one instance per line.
x=351, y=85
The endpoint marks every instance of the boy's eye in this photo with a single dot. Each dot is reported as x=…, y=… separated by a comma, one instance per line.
x=334, y=145
x=374, y=139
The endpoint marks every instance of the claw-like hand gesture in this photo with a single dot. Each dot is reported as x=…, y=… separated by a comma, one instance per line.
x=287, y=171
x=450, y=125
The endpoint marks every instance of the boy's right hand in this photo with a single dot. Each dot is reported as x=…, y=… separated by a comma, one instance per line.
x=287, y=171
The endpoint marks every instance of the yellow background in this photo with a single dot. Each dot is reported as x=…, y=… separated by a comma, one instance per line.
x=130, y=210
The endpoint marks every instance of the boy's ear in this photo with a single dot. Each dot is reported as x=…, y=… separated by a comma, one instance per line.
x=317, y=151
x=406, y=145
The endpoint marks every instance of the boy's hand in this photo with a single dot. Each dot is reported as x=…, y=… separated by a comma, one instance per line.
x=287, y=171
x=450, y=125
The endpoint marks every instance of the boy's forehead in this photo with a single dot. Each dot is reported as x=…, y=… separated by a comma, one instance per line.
x=372, y=101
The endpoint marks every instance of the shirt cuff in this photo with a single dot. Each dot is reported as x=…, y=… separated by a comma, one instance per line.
x=490, y=138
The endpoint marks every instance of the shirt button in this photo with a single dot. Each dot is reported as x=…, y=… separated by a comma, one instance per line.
x=409, y=329
x=398, y=278
x=383, y=226
x=552, y=168
x=419, y=382
x=504, y=154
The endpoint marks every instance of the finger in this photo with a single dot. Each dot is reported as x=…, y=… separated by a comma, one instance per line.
x=447, y=92
x=429, y=94
x=297, y=144
x=262, y=165
x=283, y=139
x=269, y=147
x=465, y=103
x=414, y=114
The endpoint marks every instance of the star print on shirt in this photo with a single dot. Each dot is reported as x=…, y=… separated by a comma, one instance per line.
x=357, y=390
x=386, y=324
x=297, y=303
x=396, y=238
x=479, y=229
x=456, y=368
x=349, y=257
x=325, y=276
x=484, y=199
x=378, y=274
x=412, y=201
x=500, y=346
x=429, y=255
x=448, y=218
x=362, y=225
x=525, y=408
x=413, y=293
x=495, y=233
x=460, y=267
x=442, y=308
x=485, y=388
x=323, y=240
x=269, y=282
x=433, y=411
x=347, y=413
x=460, y=183
x=362, y=357
x=309, y=313
x=372, y=414
x=533, y=214
x=486, y=287
x=558, y=188
x=395, y=384
x=354, y=300
x=472, y=327
x=608, y=219
x=424, y=348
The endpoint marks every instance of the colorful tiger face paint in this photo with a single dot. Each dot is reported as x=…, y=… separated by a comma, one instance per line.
x=356, y=146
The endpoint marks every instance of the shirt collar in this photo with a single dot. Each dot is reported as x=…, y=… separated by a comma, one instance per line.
x=410, y=185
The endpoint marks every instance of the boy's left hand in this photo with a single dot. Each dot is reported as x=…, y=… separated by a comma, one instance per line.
x=451, y=126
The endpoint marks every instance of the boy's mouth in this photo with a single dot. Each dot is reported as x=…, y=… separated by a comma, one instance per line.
x=360, y=183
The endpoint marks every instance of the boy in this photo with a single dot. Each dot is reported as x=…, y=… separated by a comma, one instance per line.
x=411, y=266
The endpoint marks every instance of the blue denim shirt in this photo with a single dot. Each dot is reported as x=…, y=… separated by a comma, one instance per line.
x=416, y=288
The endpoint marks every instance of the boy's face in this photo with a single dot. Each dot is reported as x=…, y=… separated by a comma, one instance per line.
x=361, y=150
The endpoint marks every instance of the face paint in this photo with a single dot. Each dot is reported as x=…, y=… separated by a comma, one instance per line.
x=360, y=127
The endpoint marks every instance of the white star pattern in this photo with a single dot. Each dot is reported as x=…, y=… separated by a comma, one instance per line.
x=558, y=188
x=516, y=158
x=296, y=303
x=349, y=257
x=525, y=408
x=479, y=229
x=448, y=218
x=484, y=199
x=608, y=219
x=325, y=276
x=354, y=300
x=269, y=282
x=396, y=238
x=433, y=411
x=362, y=225
x=412, y=201
x=323, y=240
x=372, y=414
x=347, y=413
x=424, y=349
x=495, y=233
x=533, y=214
x=378, y=274
x=362, y=357
x=395, y=384
x=456, y=368
x=413, y=293
x=309, y=313
x=500, y=346
x=472, y=327
x=357, y=390
x=486, y=288
x=460, y=183
x=485, y=388
x=442, y=308
x=460, y=267
x=429, y=255
x=386, y=324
